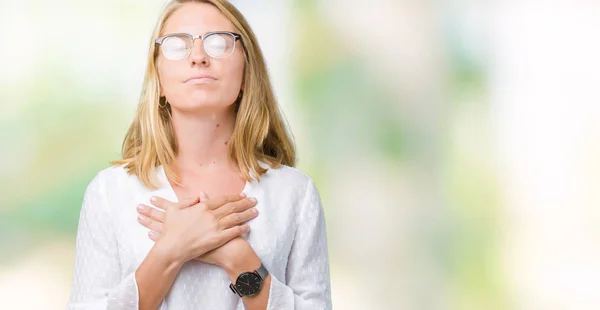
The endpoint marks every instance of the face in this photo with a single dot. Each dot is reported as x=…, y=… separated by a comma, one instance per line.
x=222, y=77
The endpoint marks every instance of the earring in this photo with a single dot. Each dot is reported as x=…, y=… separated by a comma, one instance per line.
x=162, y=102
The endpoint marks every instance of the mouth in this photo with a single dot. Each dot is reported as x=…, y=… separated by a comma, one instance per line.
x=200, y=79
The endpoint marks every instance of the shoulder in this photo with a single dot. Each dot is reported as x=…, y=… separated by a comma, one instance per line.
x=287, y=173
x=112, y=176
x=286, y=177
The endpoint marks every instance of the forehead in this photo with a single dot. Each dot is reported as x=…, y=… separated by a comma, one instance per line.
x=197, y=18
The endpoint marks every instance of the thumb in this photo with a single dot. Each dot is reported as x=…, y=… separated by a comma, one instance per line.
x=203, y=196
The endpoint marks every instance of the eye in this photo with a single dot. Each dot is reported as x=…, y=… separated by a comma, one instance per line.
x=174, y=44
x=218, y=44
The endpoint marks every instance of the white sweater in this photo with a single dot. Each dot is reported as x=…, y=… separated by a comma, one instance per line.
x=289, y=236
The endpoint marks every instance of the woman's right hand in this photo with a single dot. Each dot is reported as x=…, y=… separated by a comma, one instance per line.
x=189, y=232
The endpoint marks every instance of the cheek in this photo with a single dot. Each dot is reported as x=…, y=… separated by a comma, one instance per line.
x=236, y=74
x=234, y=85
x=167, y=76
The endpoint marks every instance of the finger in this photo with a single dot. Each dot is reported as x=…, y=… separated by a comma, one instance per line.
x=154, y=236
x=187, y=203
x=152, y=213
x=150, y=224
x=164, y=204
x=203, y=196
x=235, y=207
x=221, y=200
x=234, y=231
x=161, y=203
x=238, y=218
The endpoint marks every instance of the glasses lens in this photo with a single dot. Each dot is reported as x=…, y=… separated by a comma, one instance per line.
x=219, y=45
x=176, y=47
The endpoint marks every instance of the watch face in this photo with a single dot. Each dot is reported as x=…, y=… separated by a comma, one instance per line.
x=248, y=284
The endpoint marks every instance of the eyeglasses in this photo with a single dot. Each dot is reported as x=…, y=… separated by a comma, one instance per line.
x=217, y=44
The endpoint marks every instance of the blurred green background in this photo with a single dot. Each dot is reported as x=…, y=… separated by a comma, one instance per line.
x=454, y=143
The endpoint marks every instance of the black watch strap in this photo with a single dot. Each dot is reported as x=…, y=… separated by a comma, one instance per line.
x=262, y=271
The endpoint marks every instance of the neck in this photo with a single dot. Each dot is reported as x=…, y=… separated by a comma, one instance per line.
x=203, y=139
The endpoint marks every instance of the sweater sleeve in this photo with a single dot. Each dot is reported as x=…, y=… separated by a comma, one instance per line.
x=307, y=274
x=97, y=280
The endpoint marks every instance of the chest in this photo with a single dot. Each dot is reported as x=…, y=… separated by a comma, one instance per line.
x=271, y=232
x=214, y=185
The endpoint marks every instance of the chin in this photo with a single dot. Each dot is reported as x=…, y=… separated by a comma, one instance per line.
x=202, y=100
x=202, y=105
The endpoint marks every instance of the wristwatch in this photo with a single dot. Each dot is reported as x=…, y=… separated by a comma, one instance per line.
x=249, y=283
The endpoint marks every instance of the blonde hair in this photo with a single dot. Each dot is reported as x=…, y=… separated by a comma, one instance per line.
x=259, y=134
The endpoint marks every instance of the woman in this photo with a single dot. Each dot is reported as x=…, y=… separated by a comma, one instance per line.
x=204, y=211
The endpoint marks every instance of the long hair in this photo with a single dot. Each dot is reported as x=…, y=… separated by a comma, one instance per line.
x=259, y=134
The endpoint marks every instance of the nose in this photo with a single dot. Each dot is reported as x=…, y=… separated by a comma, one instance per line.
x=198, y=56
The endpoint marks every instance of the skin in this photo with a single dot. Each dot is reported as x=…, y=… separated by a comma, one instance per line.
x=203, y=117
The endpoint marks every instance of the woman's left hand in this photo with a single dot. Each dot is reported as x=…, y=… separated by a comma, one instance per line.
x=154, y=220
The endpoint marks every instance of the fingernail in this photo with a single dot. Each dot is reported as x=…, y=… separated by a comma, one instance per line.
x=203, y=195
x=242, y=195
x=253, y=199
x=254, y=211
x=153, y=198
x=140, y=207
x=141, y=217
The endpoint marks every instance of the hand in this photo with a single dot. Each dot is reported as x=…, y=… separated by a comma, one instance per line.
x=203, y=226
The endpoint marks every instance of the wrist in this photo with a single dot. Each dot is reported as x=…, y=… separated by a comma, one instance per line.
x=237, y=265
x=168, y=253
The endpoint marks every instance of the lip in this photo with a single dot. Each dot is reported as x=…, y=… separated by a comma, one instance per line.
x=199, y=79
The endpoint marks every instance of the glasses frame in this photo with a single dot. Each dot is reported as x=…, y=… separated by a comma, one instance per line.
x=236, y=37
